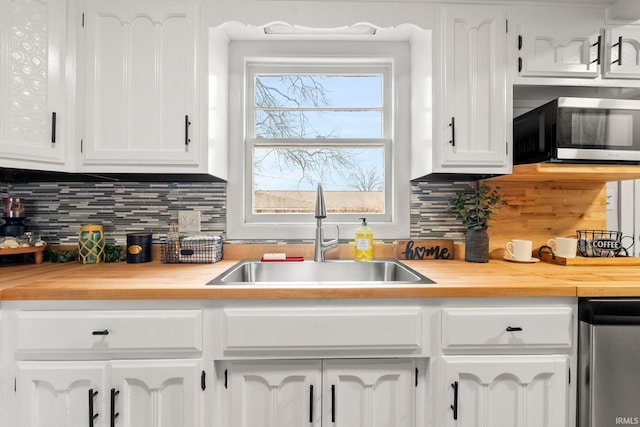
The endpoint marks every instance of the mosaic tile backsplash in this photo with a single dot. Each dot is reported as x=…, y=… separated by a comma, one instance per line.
x=56, y=210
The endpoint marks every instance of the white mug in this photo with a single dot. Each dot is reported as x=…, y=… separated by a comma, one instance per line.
x=519, y=250
x=564, y=247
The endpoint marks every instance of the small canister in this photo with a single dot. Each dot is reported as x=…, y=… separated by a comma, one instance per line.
x=138, y=247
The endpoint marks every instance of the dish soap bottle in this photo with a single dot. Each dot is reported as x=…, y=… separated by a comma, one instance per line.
x=364, y=242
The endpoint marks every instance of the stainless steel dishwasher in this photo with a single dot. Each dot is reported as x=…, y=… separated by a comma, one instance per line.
x=608, y=362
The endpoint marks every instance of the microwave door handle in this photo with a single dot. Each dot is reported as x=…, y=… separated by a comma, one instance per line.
x=619, y=44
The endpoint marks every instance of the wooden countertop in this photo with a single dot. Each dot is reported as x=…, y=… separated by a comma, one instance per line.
x=454, y=278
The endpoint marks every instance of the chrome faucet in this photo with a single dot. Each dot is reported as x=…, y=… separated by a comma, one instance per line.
x=320, y=246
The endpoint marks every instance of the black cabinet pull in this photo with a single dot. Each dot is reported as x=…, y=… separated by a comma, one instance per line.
x=92, y=416
x=333, y=403
x=311, y=404
x=454, y=407
x=114, y=414
x=619, y=44
x=513, y=328
x=519, y=64
x=104, y=332
x=186, y=130
x=452, y=125
x=53, y=127
x=597, y=44
x=519, y=42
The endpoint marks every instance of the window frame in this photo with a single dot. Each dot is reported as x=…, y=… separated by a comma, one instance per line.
x=312, y=67
x=249, y=57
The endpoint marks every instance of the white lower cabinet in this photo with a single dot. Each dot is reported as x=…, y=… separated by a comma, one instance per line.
x=61, y=394
x=501, y=391
x=461, y=362
x=156, y=393
x=140, y=393
x=105, y=368
x=333, y=392
x=506, y=366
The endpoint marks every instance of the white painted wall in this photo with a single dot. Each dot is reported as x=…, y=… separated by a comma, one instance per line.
x=623, y=211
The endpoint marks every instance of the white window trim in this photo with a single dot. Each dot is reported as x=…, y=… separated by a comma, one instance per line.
x=306, y=66
x=240, y=54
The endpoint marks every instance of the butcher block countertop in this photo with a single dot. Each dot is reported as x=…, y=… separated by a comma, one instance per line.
x=454, y=278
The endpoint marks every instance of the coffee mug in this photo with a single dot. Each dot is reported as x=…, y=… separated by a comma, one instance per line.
x=519, y=250
x=564, y=247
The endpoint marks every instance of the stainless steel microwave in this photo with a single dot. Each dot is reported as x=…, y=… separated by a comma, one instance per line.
x=579, y=130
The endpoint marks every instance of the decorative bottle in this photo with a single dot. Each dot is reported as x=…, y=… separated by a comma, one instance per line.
x=91, y=244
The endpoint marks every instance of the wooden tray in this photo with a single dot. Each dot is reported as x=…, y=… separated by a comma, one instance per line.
x=589, y=261
x=36, y=250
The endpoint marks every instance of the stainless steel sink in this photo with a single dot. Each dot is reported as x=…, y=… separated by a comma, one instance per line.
x=343, y=272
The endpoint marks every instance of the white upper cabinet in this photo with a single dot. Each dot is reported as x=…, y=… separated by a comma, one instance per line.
x=573, y=44
x=32, y=89
x=622, y=52
x=559, y=52
x=141, y=86
x=472, y=128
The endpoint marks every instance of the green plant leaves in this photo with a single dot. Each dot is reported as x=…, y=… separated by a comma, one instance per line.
x=475, y=209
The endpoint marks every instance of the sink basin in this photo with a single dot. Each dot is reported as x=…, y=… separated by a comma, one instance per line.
x=380, y=272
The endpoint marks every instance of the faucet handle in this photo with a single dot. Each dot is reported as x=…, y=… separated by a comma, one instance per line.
x=333, y=242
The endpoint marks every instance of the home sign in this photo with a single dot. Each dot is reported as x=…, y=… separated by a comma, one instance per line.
x=424, y=249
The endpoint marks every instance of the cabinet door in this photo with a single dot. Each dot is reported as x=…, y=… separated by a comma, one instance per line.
x=141, y=83
x=622, y=52
x=559, y=52
x=369, y=393
x=32, y=110
x=155, y=393
x=61, y=394
x=473, y=128
x=518, y=391
x=278, y=393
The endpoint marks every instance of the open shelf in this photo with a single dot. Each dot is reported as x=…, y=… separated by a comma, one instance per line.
x=555, y=172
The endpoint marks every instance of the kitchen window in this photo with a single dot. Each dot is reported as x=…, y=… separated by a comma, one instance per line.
x=323, y=115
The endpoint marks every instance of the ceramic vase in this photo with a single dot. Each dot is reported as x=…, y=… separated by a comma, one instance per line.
x=476, y=246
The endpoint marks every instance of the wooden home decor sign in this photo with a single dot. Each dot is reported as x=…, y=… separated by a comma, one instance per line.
x=424, y=249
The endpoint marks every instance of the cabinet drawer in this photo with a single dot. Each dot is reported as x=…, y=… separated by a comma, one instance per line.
x=393, y=330
x=109, y=331
x=506, y=327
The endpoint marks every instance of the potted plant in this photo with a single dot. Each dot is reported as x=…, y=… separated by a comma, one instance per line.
x=475, y=210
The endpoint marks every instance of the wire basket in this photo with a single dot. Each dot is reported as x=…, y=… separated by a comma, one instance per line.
x=192, y=249
x=600, y=243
